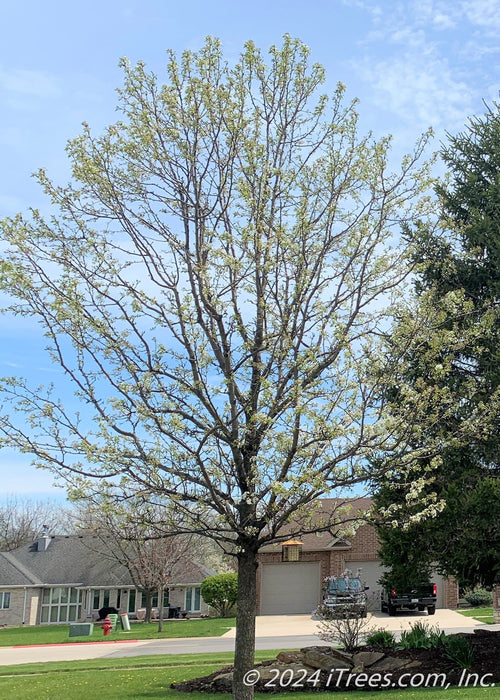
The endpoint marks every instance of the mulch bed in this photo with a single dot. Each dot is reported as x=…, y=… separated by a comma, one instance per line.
x=485, y=669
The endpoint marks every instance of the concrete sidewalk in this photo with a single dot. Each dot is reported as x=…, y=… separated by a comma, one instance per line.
x=10, y=656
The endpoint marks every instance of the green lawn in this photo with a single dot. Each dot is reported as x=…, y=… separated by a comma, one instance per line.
x=59, y=634
x=150, y=677
x=479, y=614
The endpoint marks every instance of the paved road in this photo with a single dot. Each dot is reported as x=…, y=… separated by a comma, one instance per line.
x=279, y=632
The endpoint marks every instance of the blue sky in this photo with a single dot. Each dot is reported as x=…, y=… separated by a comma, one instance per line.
x=412, y=65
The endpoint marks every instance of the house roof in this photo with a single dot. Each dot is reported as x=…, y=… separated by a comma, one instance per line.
x=325, y=511
x=79, y=560
x=13, y=573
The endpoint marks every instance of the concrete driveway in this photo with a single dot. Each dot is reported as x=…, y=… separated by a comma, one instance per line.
x=289, y=625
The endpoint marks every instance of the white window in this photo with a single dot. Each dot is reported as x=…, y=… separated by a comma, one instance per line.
x=100, y=598
x=4, y=600
x=155, y=596
x=193, y=599
x=60, y=604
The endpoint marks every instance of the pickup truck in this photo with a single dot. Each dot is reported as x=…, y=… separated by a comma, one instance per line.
x=345, y=595
x=418, y=598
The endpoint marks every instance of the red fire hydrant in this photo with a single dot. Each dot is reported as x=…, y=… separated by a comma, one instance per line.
x=106, y=626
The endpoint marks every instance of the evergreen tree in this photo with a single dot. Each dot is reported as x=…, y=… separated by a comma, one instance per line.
x=459, y=278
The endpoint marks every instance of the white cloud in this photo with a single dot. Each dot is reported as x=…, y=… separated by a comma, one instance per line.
x=31, y=83
x=443, y=21
x=482, y=13
x=419, y=88
x=23, y=90
x=421, y=59
x=440, y=14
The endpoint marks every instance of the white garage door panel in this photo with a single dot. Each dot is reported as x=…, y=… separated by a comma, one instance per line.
x=290, y=588
x=370, y=573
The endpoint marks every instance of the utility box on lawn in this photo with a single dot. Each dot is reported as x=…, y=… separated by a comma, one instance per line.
x=81, y=629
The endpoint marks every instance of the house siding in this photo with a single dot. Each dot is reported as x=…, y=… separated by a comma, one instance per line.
x=363, y=546
x=177, y=598
x=14, y=612
x=450, y=593
x=23, y=602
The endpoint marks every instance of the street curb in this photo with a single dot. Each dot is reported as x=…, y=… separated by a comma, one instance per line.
x=75, y=644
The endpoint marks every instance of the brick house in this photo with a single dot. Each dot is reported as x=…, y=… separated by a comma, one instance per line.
x=64, y=579
x=293, y=584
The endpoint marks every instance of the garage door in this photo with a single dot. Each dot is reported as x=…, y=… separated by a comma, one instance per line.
x=371, y=571
x=289, y=588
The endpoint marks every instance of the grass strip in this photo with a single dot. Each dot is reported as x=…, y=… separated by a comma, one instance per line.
x=156, y=660
x=130, y=683
x=479, y=614
x=137, y=678
x=172, y=629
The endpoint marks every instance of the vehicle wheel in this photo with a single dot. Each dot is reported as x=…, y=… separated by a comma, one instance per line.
x=364, y=613
x=391, y=610
x=431, y=609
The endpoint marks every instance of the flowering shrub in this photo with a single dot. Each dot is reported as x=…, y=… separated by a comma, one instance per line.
x=341, y=626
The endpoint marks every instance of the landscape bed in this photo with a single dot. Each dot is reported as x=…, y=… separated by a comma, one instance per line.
x=314, y=669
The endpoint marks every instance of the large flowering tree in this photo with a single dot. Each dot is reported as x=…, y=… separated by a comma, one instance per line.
x=214, y=284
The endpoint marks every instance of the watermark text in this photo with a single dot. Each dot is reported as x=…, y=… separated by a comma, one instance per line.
x=344, y=678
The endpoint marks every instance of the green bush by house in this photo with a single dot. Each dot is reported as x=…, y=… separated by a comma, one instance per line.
x=220, y=592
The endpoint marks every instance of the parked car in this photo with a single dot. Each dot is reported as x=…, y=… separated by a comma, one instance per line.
x=345, y=595
x=417, y=598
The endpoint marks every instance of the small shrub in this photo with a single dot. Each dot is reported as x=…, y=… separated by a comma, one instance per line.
x=221, y=592
x=478, y=597
x=421, y=636
x=381, y=638
x=459, y=650
x=341, y=626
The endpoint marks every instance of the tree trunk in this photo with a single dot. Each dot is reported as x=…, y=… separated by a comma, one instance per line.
x=160, y=609
x=148, y=606
x=245, y=624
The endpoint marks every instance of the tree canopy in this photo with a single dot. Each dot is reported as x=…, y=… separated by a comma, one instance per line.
x=215, y=282
x=142, y=538
x=22, y=520
x=458, y=277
